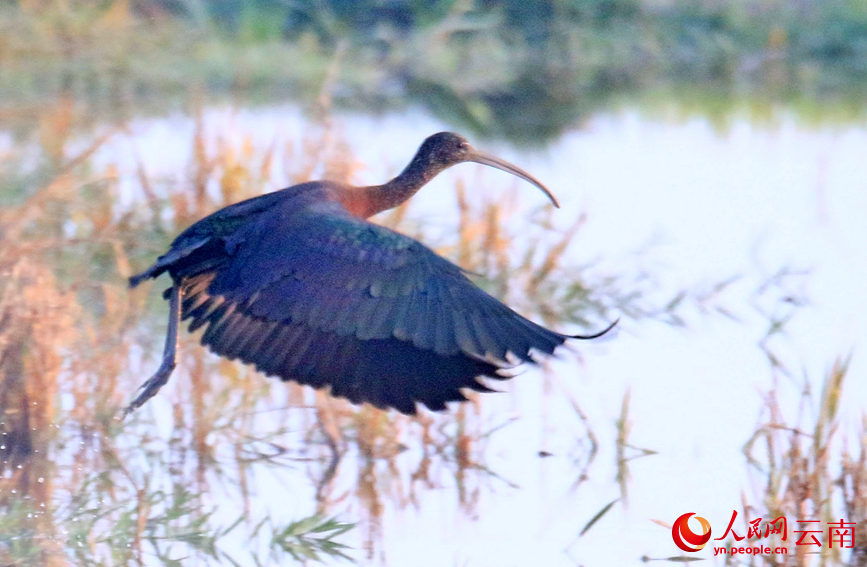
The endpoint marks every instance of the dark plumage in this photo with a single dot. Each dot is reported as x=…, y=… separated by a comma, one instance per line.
x=299, y=284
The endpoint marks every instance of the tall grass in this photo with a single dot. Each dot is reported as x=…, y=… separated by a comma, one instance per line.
x=79, y=487
x=183, y=476
x=804, y=461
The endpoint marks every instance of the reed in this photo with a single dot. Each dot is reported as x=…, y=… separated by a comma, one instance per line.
x=183, y=476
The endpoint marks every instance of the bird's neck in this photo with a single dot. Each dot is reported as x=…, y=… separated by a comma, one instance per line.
x=389, y=195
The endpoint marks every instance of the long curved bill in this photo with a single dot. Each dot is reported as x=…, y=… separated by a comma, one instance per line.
x=493, y=161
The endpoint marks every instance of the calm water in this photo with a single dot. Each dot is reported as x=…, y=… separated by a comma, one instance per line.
x=678, y=199
x=716, y=153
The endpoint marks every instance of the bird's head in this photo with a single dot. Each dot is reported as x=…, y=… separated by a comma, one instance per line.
x=446, y=149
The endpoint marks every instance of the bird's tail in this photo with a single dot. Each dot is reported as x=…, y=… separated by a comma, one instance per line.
x=151, y=272
x=176, y=256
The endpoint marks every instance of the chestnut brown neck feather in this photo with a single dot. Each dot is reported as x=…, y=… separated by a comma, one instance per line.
x=367, y=201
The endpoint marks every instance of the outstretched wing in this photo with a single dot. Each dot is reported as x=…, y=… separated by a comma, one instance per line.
x=323, y=298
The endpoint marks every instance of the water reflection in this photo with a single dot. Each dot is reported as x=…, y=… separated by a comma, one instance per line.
x=523, y=71
x=230, y=457
x=230, y=464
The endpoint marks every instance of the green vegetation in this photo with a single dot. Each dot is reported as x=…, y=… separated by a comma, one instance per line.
x=79, y=488
x=523, y=71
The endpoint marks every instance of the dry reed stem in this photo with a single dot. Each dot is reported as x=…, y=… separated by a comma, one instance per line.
x=218, y=401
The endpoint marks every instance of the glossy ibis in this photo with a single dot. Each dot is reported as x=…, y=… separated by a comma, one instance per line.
x=299, y=284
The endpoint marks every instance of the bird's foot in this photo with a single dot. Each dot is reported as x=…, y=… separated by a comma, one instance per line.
x=150, y=388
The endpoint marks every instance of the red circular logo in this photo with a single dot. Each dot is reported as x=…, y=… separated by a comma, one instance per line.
x=685, y=538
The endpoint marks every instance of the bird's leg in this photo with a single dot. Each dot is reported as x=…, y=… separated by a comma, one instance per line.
x=170, y=355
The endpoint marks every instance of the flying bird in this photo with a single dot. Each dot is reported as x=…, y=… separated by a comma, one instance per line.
x=299, y=284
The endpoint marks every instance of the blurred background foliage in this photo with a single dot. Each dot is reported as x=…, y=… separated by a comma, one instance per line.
x=78, y=488
x=521, y=70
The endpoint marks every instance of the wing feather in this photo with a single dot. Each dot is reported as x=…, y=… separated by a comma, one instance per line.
x=269, y=359
x=237, y=328
x=315, y=295
x=214, y=332
x=253, y=345
x=203, y=313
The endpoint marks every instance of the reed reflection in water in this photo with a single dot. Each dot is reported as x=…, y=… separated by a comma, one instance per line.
x=228, y=464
